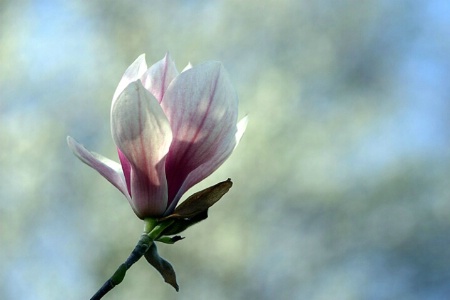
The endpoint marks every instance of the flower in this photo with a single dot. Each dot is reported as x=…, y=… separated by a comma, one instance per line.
x=171, y=129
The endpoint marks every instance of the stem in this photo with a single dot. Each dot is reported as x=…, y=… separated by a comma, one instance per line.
x=158, y=230
x=149, y=225
x=152, y=231
x=142, y=246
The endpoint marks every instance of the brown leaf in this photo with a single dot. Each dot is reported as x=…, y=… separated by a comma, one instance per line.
x=180, y=225
x=170, y=240
x=195, y=208
x=199, y=202
x=162, y=266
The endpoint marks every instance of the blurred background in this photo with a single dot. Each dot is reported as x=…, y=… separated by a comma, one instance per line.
x=341, y=182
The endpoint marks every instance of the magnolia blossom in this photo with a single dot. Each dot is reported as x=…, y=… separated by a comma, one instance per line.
x=171, y=130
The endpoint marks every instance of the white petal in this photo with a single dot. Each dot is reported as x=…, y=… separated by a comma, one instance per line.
x=109, y=169
x=241, y=127
x=158, y=77
x=201, y=105
x=142, y=132
x=188, y=67
x=132, y=73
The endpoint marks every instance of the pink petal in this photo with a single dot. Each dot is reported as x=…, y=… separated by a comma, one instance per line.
x=126, y=168
x=132, y=73
x=159, y=76
x=142, y=133
x=199, y=174
x=201, y=105
x=109, y=169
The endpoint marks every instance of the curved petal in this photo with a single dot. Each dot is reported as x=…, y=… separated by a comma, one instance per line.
x=132, y=73
x=199, y=174
x=109, y=169
x=142, y=133
x=126, y=168
x=201, y=105
x=159, y=76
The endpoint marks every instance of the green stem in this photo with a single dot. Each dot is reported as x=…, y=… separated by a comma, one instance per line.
x=142, y=246
x=158, y=230
x=152, y=231
x=149, y=225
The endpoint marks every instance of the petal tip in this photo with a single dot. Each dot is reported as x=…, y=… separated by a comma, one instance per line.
x=141, y=57
x=140, y=66
x=71, y=142
x=189, y=66
x=241, y=127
